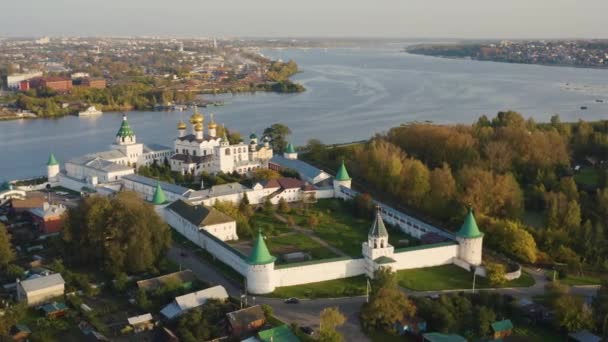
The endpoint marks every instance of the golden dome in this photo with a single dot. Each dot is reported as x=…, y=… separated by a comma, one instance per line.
x=197, y=118
x=212, y=124
x=181, y=125
x=198, y=127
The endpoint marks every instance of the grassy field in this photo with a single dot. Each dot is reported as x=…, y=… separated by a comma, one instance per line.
x=573, y=280
x=268, y=223
x=340, y=228
x=450, y=277
x=354, y=286
x=588, y=176
x=298, y=242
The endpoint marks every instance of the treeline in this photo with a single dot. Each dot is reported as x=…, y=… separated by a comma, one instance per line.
x=48, y=103
x=508, y=169
x=448, y=50
x=280, y=71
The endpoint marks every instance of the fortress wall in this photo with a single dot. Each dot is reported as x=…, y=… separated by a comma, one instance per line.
x=419, y=257
x=307, y=272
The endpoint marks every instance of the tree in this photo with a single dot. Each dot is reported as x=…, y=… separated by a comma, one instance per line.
x=284, y=206
x=268, y=207
x=387, y=304
x=484, y=317
x=278, y=134
x=263, y=174
x=244, y=207
x=330, y=319
x=7, y=255
x=510, y=238
x=120, y=234
x=496, y=273
x=572, y=313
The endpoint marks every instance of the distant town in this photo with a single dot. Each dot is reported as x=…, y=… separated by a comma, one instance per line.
x=579, y=53
x=49, y=77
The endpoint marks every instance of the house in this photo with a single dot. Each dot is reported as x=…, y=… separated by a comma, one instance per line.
x=20, y=332
x=25, y=205
x=246, y=321
x=583, y=336
x=141, y=323
x=289, y=189
x=41, y=289
x=193, y=300
x=48, y=218
x=184, y=279
x=282, y=333
x=200, y=217
x=438, y=337
x=502, y=329
x=54, y=309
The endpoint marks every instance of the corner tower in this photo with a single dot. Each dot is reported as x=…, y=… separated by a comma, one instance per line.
x=52, y=169
x=290, y=152
x=470, y=240
x=342, y=179
x=377, y=252
x=260, y=270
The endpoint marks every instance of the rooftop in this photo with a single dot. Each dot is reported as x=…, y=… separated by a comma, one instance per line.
x=303, y=168
x=243, y=317
x=469, y=228
x=199, y=215
x=504, y=325
x=260, y=254
x=219, y=190
x=193, y=300
x=282, y=333
x=41, y=283
x=167, y=187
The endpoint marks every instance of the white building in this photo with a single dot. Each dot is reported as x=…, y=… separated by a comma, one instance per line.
x=189, y=219
x=200, y=152
x=193, y=300
x=40, y=290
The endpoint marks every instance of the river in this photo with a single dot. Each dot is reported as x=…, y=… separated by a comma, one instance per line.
x=351, y=94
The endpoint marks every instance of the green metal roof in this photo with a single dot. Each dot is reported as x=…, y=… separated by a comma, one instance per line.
x=342, y=174
x=125, y=130
x=504, y=325
x=439, y=337
x=159, y=196
x=378, y=228
x=469, y=228
x=290, y=148
x=253, y=136
x=52, y=160
x=260, y=254
x=282, y=333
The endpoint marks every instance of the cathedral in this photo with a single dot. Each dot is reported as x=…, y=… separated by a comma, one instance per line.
x=202, y=151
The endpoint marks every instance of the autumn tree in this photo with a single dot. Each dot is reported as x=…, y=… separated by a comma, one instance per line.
x=387, y=304
x=119, y=234
x=283, y=206
x=7, y=255
x=496, y=273
x=330, y=319
x=278, y=134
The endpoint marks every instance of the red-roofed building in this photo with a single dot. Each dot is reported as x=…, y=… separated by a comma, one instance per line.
x=61, y=84
x=291, y=189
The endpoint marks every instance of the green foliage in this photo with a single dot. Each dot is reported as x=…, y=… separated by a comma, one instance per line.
x=240, y=214
x=496, y=273
x=330, y=319
x=120, y=234
x=278, y=134
x=11, y=316
x=202, y=323
x=279, y=71
x=284, y=207
x=510, y=238
x=6, y=249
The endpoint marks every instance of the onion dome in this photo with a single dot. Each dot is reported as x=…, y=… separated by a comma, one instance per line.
x=196, y=117
x=260, y=255
x=212, y=124
x=198, y=127
x=181, y=125
x=253, y=136
x=469, y=229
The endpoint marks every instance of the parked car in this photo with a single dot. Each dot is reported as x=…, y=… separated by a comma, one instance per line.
x=292, y=300
x=308, y=331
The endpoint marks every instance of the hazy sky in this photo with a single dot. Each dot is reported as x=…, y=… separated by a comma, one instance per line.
x=320, y=18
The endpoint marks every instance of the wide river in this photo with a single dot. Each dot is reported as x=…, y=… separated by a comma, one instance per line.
x=351, y=94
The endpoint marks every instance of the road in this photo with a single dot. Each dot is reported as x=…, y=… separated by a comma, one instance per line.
x=306, y=313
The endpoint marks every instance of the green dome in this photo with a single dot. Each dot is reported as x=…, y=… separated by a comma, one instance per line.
x=290, y=148
x=469, y=228
x=159, y=196
x=253, y=136
x=125, y=130
x=342, y=174
x=260, y=254
x=52, y=160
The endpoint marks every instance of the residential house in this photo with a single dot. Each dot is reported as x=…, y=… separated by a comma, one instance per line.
x=584, y=336
x=193, y=300
x=41, y=289
x=20, y=332
x=246, y=321
x=438, y=337
x=141, y=323
x=185, y=279
x=502, y=329
x=282, y=333
x=54, y=309
x=49, y=218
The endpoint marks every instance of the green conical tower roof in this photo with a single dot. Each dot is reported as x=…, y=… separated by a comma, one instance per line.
x=260, y=254
x=125, y=130
x=52, y=160
x=159, y=196
x=342, y=174
x=378, y=228
x=469, y=228
x=290, y=148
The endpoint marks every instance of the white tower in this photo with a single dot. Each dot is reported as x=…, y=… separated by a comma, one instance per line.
x=290, y=152
x=377, y=251
x=470, y=240
x=260, y=270
x=52, y=169
x=253, y=142
x=125, y=135
x=181, y=128
x=212, y=128
x=342, y=179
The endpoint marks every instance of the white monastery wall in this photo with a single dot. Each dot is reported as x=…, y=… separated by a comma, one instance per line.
x=223, y=231
x=425, y=257
x=293, y=274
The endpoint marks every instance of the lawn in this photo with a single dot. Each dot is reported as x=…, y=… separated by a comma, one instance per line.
x=536, y=333
x=268, y=223
x=450, y=277
x=298, y=242
x=574, y=280
x=340, y=228
x=354, y=286
x=588, y=176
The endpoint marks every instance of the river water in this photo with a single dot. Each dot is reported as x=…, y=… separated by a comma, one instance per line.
x=351, y=94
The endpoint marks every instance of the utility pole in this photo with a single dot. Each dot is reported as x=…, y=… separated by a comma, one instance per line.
x=474, y=275
x=367, y=286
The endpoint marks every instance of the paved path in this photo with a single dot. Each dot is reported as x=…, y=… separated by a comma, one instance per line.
x=306, y=313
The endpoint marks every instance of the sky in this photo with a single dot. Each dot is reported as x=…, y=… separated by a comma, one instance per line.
x=307, y=18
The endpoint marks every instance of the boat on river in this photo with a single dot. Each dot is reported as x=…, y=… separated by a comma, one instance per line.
x=91, y=111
